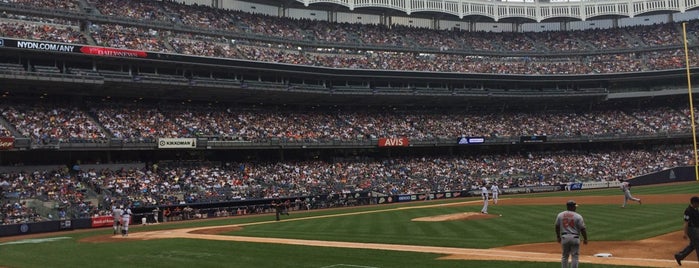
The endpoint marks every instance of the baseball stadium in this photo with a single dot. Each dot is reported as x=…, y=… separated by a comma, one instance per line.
x=348, y=133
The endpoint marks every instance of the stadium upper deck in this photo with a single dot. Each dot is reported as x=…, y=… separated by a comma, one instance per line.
x=536, y=10
x=205, y=31
x=330, y=58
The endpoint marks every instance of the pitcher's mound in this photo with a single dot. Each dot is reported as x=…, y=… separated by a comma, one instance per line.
x=457, y=217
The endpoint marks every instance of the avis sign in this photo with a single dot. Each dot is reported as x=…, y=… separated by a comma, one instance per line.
x=393, y=142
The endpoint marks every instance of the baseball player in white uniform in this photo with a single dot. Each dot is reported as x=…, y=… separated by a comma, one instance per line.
x=116, y=215
x=569, y=227
x=484, y=195
x=125, y=220
x=495, y=191
x=626, y=188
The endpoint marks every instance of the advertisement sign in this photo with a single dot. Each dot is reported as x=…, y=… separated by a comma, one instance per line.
x=102, y=221
x=113, y=52
x=470, y=140
x=532, y=139
x=7, y=143
x=36, y=45
x=393, y=142
x=66, y=224
x=181, y=143
x=72, y=48
x=403, y=198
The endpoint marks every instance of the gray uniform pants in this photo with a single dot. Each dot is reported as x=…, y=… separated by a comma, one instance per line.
x=628, y=196
x=570, y=245
x=485, y=205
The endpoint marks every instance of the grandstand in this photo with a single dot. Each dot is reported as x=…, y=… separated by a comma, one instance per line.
x=225, y=104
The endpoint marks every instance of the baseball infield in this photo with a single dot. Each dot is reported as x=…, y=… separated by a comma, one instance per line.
x=652, y=252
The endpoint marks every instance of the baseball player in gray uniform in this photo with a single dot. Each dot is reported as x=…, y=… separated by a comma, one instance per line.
x=484, y=195
x=116, y=215
x=626, y=188
x=125, y=220
x=569, y=227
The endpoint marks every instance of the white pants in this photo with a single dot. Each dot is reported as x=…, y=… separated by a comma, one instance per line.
x=628, y=196
x=125, y=224
x=485, y=206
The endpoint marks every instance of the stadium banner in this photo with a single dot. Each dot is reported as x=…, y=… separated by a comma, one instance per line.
x=384, y=200
x=102, y=221
x=181, y=143
x=30, y=228
x=407, y=197
x=576, y=186
x=446, y=195
x=532, y=139
x=528, y=189
x=470, y=140
x=66, y=225
x=394, y=142
x=600, y=184
x=7, y=143
x=419, y=197
x=72, y=48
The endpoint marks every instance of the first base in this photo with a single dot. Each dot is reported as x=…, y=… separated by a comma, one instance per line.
x=603, y=255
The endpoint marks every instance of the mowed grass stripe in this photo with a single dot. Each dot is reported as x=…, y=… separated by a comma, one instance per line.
x=519, y=224
x=610, y=222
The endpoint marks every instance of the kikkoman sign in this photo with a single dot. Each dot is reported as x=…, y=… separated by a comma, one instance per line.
x=185, y=143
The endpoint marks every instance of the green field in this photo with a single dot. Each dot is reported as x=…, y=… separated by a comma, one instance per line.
x=376, y=224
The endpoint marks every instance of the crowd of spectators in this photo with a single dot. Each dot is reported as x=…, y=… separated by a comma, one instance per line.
x=396, y=36
x=65, y=33
x=47, y=4
x=432, y=50
x=18, y=212
x=211, y=182
x=440, y=51
x=56, y=186
x=135, y=122
x=123, y=36
x=146, y=121
x=48, y=125
x=141, y=10
x=392, y=36
x=202, y=182
x=4, y=132
x=23, y=18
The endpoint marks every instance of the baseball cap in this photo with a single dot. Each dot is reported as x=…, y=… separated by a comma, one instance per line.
x=571, y=203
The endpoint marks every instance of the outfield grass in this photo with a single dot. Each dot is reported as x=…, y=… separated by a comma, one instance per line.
x=519, y=224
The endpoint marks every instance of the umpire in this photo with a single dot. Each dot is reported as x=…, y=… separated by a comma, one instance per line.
x=277, y=206
x=691, y=230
